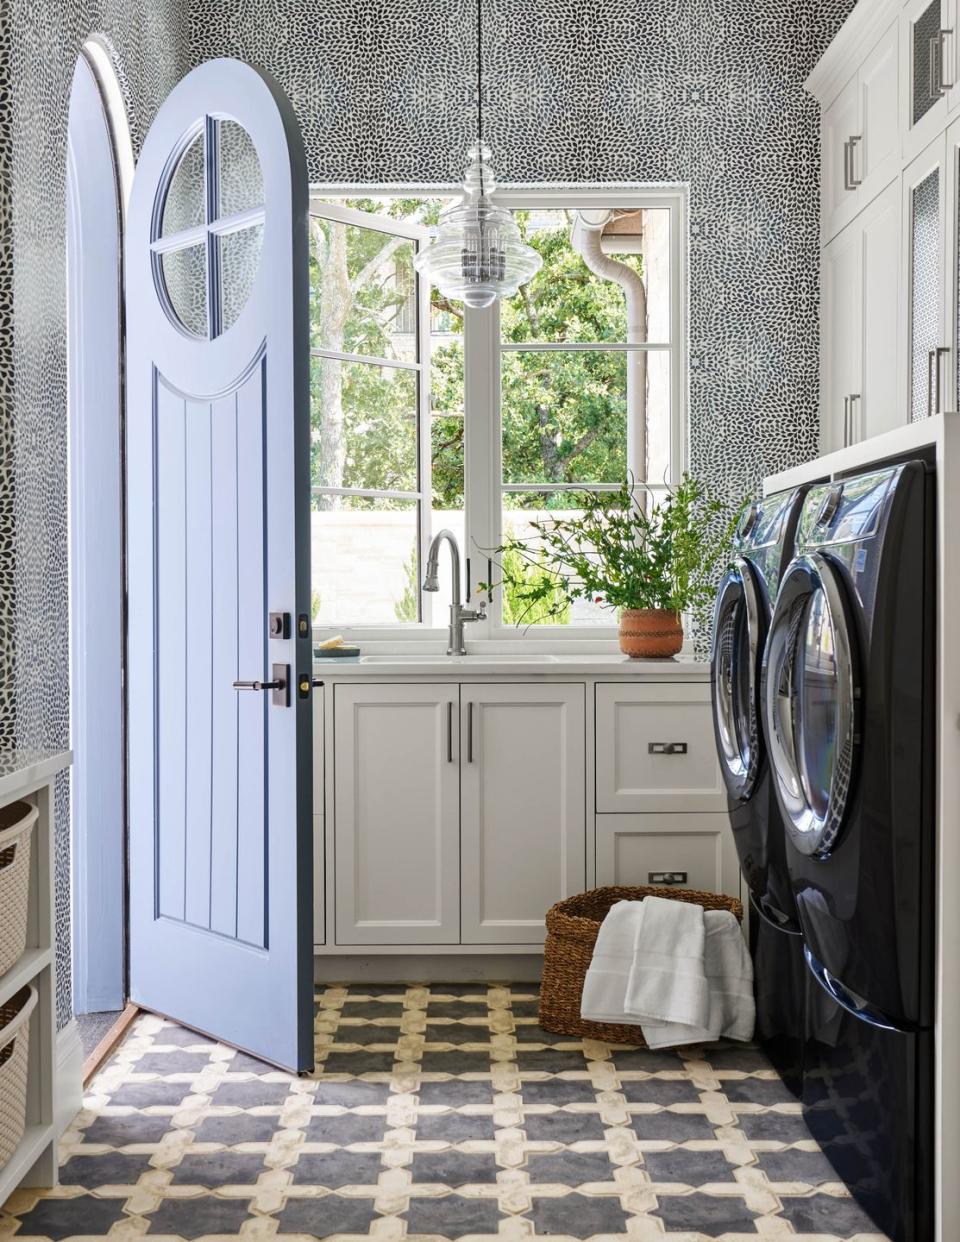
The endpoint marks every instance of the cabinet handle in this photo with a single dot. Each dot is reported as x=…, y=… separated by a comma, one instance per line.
x=944, y=86
x=846, y=421
x=854, y=396
x=931, y=362
x=854, y=179
x=847, y=182
x=941, y=350
x=449, y=731
x=666, y=748
x=470, y=732
x=933, y=69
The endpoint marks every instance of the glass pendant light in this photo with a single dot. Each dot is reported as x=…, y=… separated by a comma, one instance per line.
x=478, y=255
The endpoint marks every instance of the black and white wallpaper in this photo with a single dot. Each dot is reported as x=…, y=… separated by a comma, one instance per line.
x=708, y=92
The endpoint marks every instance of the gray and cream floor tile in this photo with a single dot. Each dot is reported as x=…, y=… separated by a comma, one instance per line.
x=437, y=1112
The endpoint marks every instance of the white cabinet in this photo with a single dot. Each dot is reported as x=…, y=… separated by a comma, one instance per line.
x=925, y=304
x=397, y=814
x=860, y=135
x=928, y=65
x=690, y=850
x=655, y=748
x=860, y=346
x=523, y=816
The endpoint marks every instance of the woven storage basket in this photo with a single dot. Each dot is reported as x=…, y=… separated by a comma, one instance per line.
x=572, y=928
x=16, y=834
x=14, y=1058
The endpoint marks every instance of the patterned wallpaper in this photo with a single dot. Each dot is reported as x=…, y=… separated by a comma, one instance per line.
x=39, y=44
x=703, y=91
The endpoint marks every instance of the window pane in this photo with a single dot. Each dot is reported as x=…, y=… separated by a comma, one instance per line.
x=568, y=301
x=183, y=208
x=241, y=178
x=520, y=509
x=446, y=449
x=365, y=565
x=185, y=277
x=239, y=263
x=658, y=421
x=362, y=291
x=564, y=416
x=364, y=425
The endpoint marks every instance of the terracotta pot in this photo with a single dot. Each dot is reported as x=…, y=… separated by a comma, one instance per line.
x=650, y=633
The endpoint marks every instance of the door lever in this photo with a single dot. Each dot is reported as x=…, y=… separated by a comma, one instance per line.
x=279, y=685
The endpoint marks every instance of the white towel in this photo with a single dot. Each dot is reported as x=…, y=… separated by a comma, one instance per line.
x=684, y=975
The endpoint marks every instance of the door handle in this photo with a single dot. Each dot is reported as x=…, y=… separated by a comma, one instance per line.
x=470, y=732
x=847, y=182
x=931, y=365
x=666, y=748
x=934, y=72
x=846, y=421
x=854, y=397
x=279, y=685
x=944, y=86
x=449, y=731
x=942, y=350
x=854, y=179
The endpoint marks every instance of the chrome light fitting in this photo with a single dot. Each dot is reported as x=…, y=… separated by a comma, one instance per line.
x=478, y=254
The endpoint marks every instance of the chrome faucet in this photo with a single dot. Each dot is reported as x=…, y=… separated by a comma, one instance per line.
x=459, y=615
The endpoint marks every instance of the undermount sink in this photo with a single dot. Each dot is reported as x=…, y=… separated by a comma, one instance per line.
x=437, y=658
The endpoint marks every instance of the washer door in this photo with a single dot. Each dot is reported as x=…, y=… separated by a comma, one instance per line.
x=811, y=697
x=739, y=629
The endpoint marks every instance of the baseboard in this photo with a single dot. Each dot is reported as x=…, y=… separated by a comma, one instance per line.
x=68, y=1089
x=425, y=968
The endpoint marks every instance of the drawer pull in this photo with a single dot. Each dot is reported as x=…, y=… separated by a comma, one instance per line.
x=666, y=748
x=666, y=877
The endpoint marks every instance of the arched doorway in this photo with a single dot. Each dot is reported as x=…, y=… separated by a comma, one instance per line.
x=99, y=174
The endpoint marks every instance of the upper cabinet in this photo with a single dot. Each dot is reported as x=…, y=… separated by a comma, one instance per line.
x=861, y=139
x=889, y=90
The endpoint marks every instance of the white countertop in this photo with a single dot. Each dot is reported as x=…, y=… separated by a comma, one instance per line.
x=23, y=770
x=417, y=664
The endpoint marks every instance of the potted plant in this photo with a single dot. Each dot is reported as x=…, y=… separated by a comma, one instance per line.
x=651, y=559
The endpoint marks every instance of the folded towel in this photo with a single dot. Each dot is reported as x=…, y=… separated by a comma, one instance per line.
x=684, y=975
x=667, y=981
x=606, y=983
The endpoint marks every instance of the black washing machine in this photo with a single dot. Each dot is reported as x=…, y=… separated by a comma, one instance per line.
x=848, y=697
x=763, y=549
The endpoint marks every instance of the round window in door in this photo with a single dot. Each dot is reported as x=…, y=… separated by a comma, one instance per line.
x=208, y=228
x=811, y=696
x=739, y=628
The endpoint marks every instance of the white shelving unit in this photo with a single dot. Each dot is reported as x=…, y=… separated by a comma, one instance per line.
x=30, y=775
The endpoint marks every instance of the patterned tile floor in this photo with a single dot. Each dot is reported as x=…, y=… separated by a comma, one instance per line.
x=437, y=1112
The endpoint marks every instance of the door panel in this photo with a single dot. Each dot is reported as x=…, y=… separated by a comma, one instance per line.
x=397, y=814
x=881, y=408
x=656, y=749
x=841, y=122
x=523, y=812
x=638, y=849
x=841, y=341
x=876, y=157
x=218, y=534
x=924, y=213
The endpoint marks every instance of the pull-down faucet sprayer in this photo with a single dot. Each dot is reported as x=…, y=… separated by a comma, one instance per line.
x=459, y=615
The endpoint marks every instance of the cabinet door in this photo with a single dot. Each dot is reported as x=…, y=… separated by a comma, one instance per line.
x=881, y=406
x=924, y=214
x=875, y=156
x=840, y=337
x=397, y=813
x=656, y=749
x=926, y=64
x=841, y=122
x=951, y=393
x=523, y=828
x=687, y=850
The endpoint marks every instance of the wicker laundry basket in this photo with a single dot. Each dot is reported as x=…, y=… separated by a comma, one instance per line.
x=14, y=1058
x=16, y=833
x=572, y=928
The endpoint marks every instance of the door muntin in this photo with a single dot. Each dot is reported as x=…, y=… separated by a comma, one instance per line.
x=738, y=635
x=811, y=698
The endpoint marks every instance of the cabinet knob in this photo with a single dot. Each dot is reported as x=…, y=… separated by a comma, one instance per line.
x=666, y=748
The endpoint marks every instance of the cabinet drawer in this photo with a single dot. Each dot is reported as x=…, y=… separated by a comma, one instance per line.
x=655, y=748
x=632, y=848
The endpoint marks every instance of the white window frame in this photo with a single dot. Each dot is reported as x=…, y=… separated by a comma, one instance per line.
x=482, y=433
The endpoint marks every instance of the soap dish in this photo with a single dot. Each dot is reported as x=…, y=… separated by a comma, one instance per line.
x=336, y=653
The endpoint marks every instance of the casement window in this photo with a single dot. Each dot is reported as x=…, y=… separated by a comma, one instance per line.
x=428, y=416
